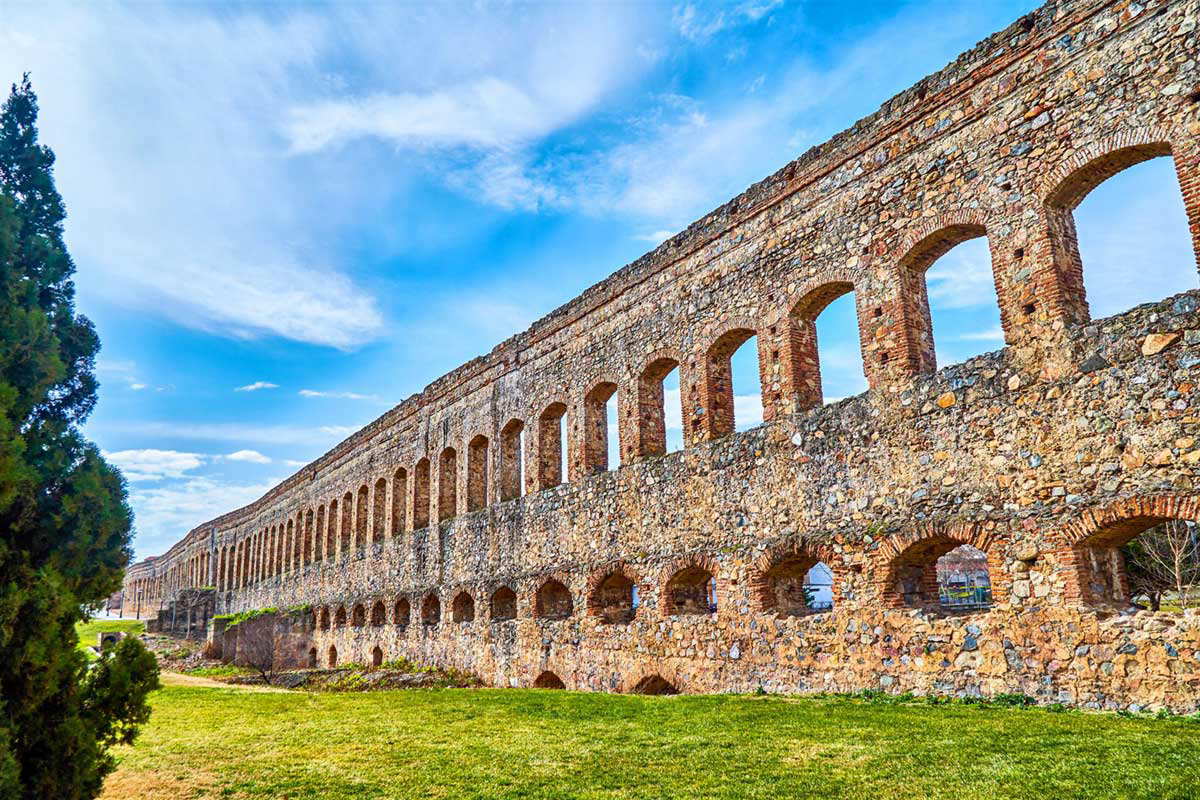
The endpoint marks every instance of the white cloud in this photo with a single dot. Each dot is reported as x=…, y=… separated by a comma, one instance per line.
x=337, y=395
x=154, y=465
x=252, y=456
x=256, y=386
x=656, y=238
x=291, y=462
x=163, y=514
x=995, y=334
x=962, y=278
x=236, y=433
x=137, y=387
x=698, y=24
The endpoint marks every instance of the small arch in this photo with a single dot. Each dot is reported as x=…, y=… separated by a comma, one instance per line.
x=656, y=685
x=551, y=471
x=358, y=617
x=448, y=484
x=379, y=511
x=347, y=512
x=377, y=657
x=360, y=517
x=512, y=459
x=797, y=359
x=595, y=426
x=553, y=601
x=312, y=658
x=378, y=614
x=431, y=610
x=717, y=391
x=503, y=604
x=324, y=623
x=401, y=613
x=614, y=599
x=331, y=530
x=477, y=473
x=786, y=586
x=399, y=493
x=339, y=619
x=691, y=591
x=420, y=513
x=463, y=607
x=548, y=680
x=332, y=657
x=912, y=577
x=651, y=406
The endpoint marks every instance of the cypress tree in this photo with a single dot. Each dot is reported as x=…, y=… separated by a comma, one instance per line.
x=64, y=520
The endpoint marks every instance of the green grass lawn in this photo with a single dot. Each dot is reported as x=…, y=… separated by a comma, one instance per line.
x=213, y=742
x=89, y=631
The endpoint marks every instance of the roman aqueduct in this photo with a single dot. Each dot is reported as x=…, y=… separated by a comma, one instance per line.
x=450, y=531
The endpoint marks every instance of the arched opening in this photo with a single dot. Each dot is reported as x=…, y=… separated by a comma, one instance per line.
x=324, y=623
x=421, y=495
x=820, y=357
x=332, y=661
x=308, y=538
x=659, y=409
x=795, y=585
x=551, y=442
x=358, y=617
x=401, y=613
x=399, y=493
x=379, y=511
x=431, y=610
x=548, y=680
x=939, y=573
x=477, y=473
x=553, y=601
x=447, y=484
x=948, y=285
x=512, y=459
x=1147, y=560
x=339, y=618
x=503, y=604
x=730, y=365
x=613, y=600
x=331, y=530
x=377, y=657
x=692, y=590
x=1133, y=232
x=347, y=512
x=360, y=517
x=599, y=415
x=319, y=534
x=655, y=684
x=378, y=614
x=312, y=658
x=463, y=607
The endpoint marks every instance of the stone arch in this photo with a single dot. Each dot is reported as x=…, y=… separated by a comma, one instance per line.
x=793, y=362
x=551, y=471
x=553, y=600
x=612, y=595
x=649, y=425
x=377, y=657
x=308, y=538
x=401, y=613
x=909, y=569
x=477, y=473
x=690, y=586
x=431, y=610
x=447, y=484
x=312, y=658
x=462, y=609
x=923, y=246
x=361, y=511
x=324, y=619
x=1059, y=268
x=653, y=678
x=339, y=619
x=548, y=680
x=347, y=514
x=1090, y=546
x=378, y=614
x=512, y=455
x=332, y=657
x=420, y=511
x=655, y=685
x=379, y=511
x=714, y=392
x=777, y=577
x=399, y=494
x=503, y=604
x=331, y=530
x=358, y=616
x=595, y=425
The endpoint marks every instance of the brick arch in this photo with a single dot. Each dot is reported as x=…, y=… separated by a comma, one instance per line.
x=534, y=588
x=923, y=544
x=649, y=670
x=548, y=679
x=549, y=471
x=713, y=379
x=676, y=566
x=1059, y=275
x=928, y=241
x=1088, y=547
x=596, y=593
x=644, y=415
x=802, y=549
x=593, y=442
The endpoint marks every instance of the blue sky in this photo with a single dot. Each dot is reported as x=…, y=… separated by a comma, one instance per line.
x=289, y=217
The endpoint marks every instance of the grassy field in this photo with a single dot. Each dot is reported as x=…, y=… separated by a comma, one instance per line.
x=88, y=631
x=212, y=741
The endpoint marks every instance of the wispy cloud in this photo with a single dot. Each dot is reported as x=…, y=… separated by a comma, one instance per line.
x=165, y=513
x=338, y=395
x=256, y=386
x=698, y=23
x=153, y=465
x=990, y=335
x=251, y=456
x=656, y=238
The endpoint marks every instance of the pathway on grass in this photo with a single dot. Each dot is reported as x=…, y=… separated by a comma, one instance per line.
x=195, y=681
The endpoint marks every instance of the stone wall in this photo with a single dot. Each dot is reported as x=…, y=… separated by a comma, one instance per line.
x=1047, y=455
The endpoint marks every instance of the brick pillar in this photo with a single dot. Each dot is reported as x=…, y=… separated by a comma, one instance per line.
x=712, y=417
x=447, y=485
x=645, y=415
x=595, y=428
x=549, y=467
x=798, y=367
x=1187, y=167
x=1056, y=282
x=510, y=455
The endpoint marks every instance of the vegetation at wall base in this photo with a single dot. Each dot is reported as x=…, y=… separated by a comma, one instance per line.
x=470, y=744
x=64, y=520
